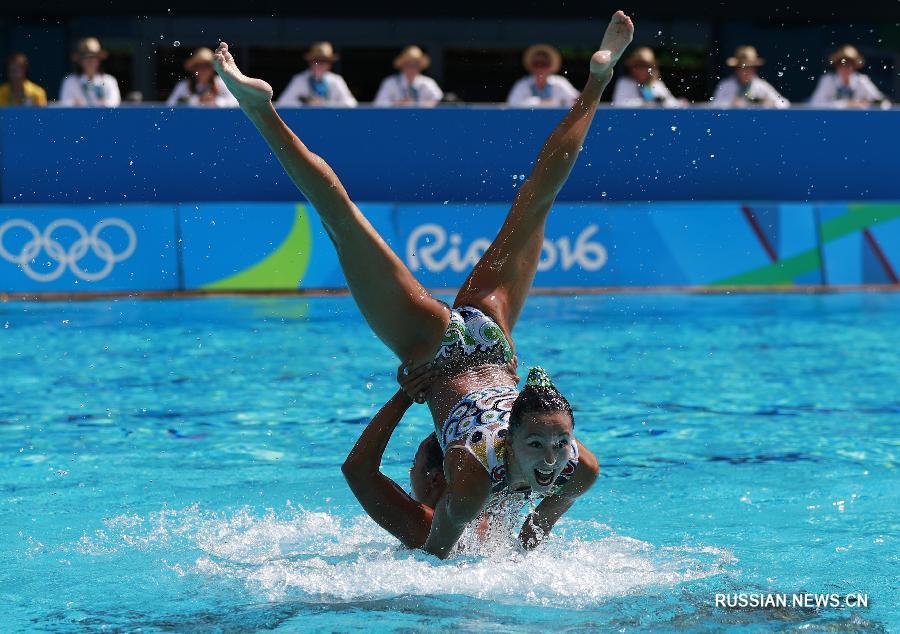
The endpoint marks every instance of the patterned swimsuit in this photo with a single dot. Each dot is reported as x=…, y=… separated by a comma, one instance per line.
x=481, y=417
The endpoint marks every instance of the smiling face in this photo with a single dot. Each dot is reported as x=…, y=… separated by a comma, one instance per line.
x=540, y=447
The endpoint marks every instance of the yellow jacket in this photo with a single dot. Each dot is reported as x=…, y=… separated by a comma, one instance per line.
x=34, y=95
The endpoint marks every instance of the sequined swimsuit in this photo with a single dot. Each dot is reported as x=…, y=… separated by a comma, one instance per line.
x=481, y=417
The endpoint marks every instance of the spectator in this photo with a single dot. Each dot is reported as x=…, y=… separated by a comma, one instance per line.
x=845, y=87
x=318, y=86
x=18, y=91
x=409, y=87
x=92, y=87
x=746, y=88
x=643, y=86
x=542, y=87
x=202, y=87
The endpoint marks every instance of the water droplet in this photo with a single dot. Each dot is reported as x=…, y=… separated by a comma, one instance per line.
x=674, y=128
x=780, y=74
x=176, y=43
x=603, y=194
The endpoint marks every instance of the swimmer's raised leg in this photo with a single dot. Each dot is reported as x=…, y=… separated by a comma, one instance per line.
x=501, y=280
x=399, y=310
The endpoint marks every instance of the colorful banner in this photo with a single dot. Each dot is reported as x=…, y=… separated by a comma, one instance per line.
x=283, y=246
x=87, y=248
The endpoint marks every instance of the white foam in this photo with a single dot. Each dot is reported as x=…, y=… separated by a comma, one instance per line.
x=299, y=555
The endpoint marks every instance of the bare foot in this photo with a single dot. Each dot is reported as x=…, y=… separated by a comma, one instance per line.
x=616, y=39
x=248, y=91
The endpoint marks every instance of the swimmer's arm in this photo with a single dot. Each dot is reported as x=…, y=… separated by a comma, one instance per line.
x=382, y=498
x=538, y=523
x=468, y=489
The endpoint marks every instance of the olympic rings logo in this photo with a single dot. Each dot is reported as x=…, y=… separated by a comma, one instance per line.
x=73, y=255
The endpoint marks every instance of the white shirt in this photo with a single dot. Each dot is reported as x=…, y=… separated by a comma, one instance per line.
x=860, y=88
x=760, y=91
x=101, y=90
x=393, y=89
x=627, y=93
x=182, y=95
x=557, y=92
x=300, y=89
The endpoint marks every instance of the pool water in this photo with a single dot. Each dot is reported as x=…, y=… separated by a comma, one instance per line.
x=175, y=466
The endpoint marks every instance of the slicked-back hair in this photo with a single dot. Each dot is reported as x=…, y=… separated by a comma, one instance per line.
x=538, y=398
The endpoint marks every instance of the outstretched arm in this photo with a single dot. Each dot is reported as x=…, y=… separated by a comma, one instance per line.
x=539, y=523
x=384, y=500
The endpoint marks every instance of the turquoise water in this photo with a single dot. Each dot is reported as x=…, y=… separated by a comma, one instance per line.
x=174, y=465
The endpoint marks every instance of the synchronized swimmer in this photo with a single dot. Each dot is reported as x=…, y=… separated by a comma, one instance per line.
x=493, y=444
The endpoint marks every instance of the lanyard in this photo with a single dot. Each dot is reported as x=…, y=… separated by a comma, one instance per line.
x=92, y=91
x=544, y=93
x=318, y=87
x=844, y=92
x=411, y=91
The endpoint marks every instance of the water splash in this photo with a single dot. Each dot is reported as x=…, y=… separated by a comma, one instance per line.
x=299, y=555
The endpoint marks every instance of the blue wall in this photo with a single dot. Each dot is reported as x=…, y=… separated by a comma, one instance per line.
x=466, y=154
x=282, y=246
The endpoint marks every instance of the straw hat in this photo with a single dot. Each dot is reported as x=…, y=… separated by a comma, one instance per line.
x=847, y=54
x=321, y=50
x=89, y=47
x=542, y=49
x=642, y=56
x=412, y=54
x=745, y=56
x=199, y=57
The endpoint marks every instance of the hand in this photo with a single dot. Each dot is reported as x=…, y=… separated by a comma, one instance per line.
x=512, y=365
x=416, y=382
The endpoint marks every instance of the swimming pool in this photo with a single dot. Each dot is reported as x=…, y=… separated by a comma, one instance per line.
x=174, y=465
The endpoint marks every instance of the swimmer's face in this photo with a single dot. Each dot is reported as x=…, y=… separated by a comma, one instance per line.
x=427, y=481
x=745, y=73
x=541, y=446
